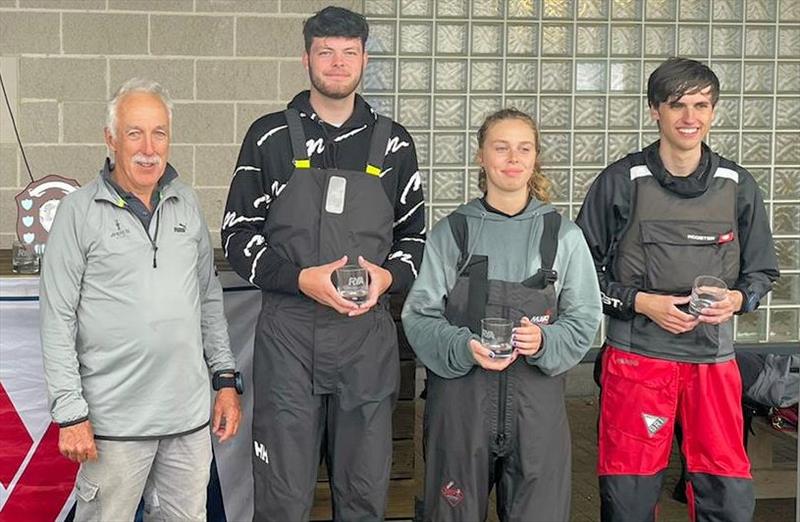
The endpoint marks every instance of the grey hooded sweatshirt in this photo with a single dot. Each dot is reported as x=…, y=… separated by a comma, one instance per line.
x=131, y=319
x=512, y=246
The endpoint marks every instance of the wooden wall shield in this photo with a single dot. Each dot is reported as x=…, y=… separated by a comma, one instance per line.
x=37, y=205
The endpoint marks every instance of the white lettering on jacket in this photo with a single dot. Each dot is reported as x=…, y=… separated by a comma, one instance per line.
x=261, y=451
x=395, y=144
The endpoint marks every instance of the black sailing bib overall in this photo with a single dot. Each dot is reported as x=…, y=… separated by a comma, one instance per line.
x=506, y=428
x=322, y=380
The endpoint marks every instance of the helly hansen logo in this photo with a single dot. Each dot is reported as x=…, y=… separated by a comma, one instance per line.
x=653, y=423
x=261, y=451
x=452, y=494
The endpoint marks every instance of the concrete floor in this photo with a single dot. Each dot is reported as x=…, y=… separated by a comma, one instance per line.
x=583, y=412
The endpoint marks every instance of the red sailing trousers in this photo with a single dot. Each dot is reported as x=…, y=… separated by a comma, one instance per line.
x=643, y=397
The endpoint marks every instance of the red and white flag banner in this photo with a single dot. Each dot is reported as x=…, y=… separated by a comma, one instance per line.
x=36, y=482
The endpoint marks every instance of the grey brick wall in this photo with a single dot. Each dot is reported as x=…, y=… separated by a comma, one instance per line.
x=225, y=62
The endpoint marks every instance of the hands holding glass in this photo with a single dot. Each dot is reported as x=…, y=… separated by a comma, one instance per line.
x=357, y=289
x=501, y=343
x=352, y=283
x=711, y=301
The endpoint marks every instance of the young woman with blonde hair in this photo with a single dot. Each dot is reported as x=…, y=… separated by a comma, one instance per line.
x=491, y=419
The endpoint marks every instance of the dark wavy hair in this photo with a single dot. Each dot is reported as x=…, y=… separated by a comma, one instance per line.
x=538, y=185
x=678, y=76
x=335, y=21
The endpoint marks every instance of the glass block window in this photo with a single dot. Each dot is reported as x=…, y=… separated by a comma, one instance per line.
x=580, y=67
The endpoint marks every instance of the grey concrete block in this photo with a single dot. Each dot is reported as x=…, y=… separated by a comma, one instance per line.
x=182, y=158
x=6, y=239
x=38, y=122
x=269, y=37
x=176, y=75
x=202, y=123
x=236, y=79
x=104, y=33
x=9, y=68
x=191, y=35
x=83, y=122
x=30, y=32
x=80, y=162
x=312, y=6
x=8, y=166
x=215, y=164
x=64, y=4
x=150, y=5
x=8, y=213
x=79, y=79
x=8, y=3
x=212, y=202
x=247, y=113
x=236, y=6
x=293, y=79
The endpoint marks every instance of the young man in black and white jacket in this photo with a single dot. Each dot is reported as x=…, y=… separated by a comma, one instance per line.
x=324, y=184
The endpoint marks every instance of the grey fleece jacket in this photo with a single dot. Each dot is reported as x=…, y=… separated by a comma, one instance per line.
x=130, y=331
x=512, y=245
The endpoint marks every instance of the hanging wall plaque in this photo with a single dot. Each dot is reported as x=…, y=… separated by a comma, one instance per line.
x=36, y=207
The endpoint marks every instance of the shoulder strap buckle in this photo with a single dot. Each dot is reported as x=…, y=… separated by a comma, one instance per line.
x=549, y=275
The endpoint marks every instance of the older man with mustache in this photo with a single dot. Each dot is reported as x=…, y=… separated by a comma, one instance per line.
x=132, y=324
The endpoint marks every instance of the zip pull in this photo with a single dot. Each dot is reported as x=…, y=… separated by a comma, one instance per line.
x=155, y=236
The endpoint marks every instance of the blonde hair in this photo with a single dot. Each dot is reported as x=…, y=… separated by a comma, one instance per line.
x=538, y=185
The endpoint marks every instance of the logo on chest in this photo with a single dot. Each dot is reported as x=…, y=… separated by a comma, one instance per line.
x=120, y=231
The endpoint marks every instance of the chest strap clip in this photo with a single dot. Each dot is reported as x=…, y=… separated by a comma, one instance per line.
x=550, y=276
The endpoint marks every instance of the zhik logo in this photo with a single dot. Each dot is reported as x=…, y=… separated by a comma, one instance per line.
x=261, y=451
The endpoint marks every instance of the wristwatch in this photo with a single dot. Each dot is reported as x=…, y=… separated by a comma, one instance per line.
x=227, y=379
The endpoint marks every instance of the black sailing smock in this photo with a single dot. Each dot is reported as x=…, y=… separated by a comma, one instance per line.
x=488, y=428
x=323, y=380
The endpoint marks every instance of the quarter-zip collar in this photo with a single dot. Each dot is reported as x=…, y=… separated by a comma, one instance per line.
x=108, y=190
